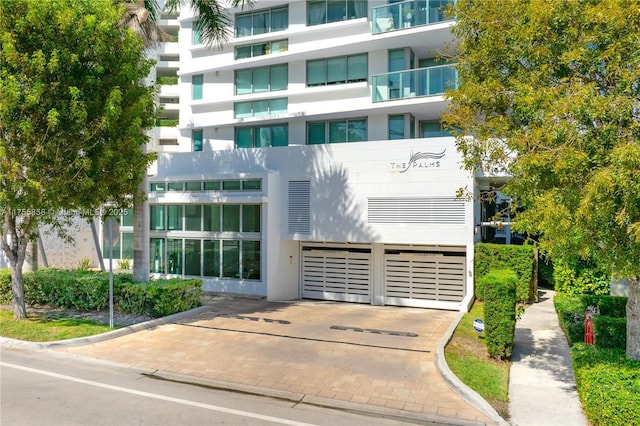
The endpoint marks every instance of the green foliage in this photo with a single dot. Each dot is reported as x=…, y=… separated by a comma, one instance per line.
x=167, y=80
x=500, y=311
x=160, y=298
x=82, y=290
x=5, y=286
x=124, y=263
x=166, y=122
x=571, y=309
x=43, y=328
x=520, y=259
x=610, y=332
x=581, y=277
x=608, y=384
x=84, y=264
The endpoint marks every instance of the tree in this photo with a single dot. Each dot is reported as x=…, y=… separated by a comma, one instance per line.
x=73, y=116
x=142, y=16
x=550, y=93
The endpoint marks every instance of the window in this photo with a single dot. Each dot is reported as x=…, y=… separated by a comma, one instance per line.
x=230, y=218
x=230, y=258
x=325, y=11
x=197, y=34
x=397, y=127
x=157, y=255
x=340, y=70
x=196, y=82
x=262, y=21
x=174, y=217
x=251, y=260
x=354, y=130
x=260, y=108
x=192, y=257
x=262, y=136
x=196, y=140
x=432, y=129
x=156, y=215
x=174, y=256
x=260, y=49
x=175, y=186
x=262, y=79
x=193, y=217
x=251, y=218
x=211, y=258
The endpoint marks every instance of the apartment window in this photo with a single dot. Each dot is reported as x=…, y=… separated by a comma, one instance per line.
x=157, y=255
x=260, y=108
x=196, y=83
x=325, y=11
x=432, y=129
x=196, y=140
x=262, y=21
x=262, y=136
x=193, y=217
x=260, y=49
x=261, y=79
x=192, y=257
x=340, y=70
x=337, y=131
x=197, y=34
x=156, y=214
x=398, y=126
x=174, y=217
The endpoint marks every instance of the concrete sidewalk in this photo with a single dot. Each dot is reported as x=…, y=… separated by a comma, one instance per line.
x=365, y=358
x=542, y=388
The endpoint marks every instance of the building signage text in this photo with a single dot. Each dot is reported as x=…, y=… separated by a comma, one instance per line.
x=419, y=160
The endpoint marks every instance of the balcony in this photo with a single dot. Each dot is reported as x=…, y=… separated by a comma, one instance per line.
x=408, y=14
x=428, y=81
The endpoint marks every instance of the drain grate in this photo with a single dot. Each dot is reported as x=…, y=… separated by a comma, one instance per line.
x=257, y=319
x=374, y=331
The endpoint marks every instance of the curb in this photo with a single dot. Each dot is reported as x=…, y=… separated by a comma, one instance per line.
x=7, y=343
x=472, y=397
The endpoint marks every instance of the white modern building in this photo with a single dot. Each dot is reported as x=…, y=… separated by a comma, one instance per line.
x=306, y=158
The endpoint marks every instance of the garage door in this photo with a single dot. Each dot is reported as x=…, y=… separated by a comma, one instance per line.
x=330, y=274
x=414, y=278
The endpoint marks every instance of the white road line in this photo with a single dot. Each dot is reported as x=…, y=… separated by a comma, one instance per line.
x=156, y=396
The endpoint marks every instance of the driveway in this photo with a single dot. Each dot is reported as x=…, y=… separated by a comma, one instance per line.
x=375, y=359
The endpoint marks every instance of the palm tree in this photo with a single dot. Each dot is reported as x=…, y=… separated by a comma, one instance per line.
x=142, y=17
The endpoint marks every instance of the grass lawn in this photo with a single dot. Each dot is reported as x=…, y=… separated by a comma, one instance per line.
x=44, y=328
x=468, y=359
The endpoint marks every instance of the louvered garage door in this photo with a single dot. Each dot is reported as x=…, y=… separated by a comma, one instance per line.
x=336, y=275
x=411, y=279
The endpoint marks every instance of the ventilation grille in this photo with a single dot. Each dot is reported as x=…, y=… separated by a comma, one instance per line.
x=431, y=210
x=299, y=208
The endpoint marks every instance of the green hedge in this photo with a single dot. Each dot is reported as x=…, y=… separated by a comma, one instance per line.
x=89, y=290
x=610, y=332
x=520, y=259
x=571, y=309
x=160, y=298
x=581, y=278
x=608, y=384
x=500, y=312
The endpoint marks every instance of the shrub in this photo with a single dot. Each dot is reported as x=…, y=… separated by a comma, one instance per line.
x=581, y=277
x=6, y=296
x=571, y=309
x=500, y=312
x=608, y=384
x=520, y=259
x=610, y=332
x=161, y=297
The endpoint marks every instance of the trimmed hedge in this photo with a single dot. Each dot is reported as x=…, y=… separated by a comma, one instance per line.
x=581, y=279
x=520, y=259
x=608, y=384
x=89, y=290
x=611, y=320
x=500, y=312
x=160, y=298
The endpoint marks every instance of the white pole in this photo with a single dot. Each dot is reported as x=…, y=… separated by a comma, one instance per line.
x=110, y=272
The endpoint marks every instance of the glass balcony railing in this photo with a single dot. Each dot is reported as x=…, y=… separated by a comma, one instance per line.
x=408, y=14
x=418, y=82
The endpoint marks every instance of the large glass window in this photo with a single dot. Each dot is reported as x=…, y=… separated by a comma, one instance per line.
x=432, y=129
x=174, y=217
x=192, y=256
x=174, y=256
x=262, y=79
x=157, y=255
x=211, y=258
x=193, y=217
x=196, y=139
x=260, y=108
x=336, y=131
x=127, y=245
x=262, y=136
x=231, y=218
x=260, y=49
x=325, y=11
x=396, y=127
x=197, y=82
x=230, y=258
x=197, y=34
x=156, y=215
x=262, y=21
x=127, y=218
x=251, y=260
x=340, y=70
x=251, y=218
x=212, y=217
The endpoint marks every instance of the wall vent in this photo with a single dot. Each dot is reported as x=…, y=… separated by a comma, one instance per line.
x=299, y=211
x=427, y=210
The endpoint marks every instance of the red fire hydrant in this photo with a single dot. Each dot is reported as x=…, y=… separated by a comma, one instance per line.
x=588, y=327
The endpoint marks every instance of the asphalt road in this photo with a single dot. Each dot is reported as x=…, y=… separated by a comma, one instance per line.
x=46, y=388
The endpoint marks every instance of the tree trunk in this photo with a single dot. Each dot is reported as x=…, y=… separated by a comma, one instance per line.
x=633, y=319
x=17, y=288
x=15, y=238
x=141, y=237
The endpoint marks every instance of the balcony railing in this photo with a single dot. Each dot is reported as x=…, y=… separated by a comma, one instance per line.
x=411, y=83
x=408, y=14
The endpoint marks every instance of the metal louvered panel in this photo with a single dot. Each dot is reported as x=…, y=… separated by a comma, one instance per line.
x=333, y=275
x=299, y=211
x=412, y=278
x=429, y=210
